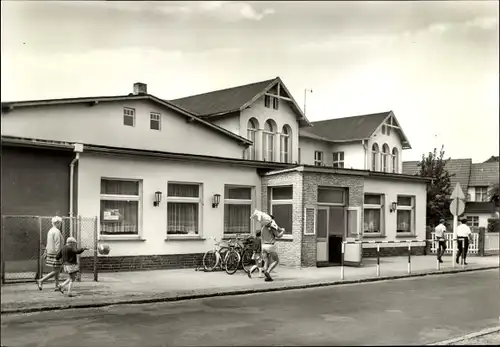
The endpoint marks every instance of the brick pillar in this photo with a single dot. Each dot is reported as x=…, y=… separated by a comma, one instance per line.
x=481, y=241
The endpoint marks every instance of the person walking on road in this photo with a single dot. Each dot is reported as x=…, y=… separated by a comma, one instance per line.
x=55, y=242
x=439, y=233
x=69, y=257
x=463, y=235
x=270, y=232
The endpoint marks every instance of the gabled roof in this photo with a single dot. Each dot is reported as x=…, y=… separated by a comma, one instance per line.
x=8, y=106
x=484, y=174
x=235, y=99
x=460, y=169
x=346, y=129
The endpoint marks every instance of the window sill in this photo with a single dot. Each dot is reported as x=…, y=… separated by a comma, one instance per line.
x=120, y=238
x=409, y=235
x=184, y=238
x=374, y=236
x=286, y=238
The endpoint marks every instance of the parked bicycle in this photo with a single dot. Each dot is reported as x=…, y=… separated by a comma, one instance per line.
x=244, y=246
x=223, y=255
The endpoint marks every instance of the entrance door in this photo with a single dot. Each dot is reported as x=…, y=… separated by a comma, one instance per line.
x=336, y=232
x=322, y=234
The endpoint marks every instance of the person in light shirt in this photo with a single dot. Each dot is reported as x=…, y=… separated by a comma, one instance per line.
x=439, y=233
x=463, y=234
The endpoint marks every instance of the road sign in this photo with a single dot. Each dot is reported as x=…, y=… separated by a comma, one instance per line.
x=457, y=193
x=457, y=207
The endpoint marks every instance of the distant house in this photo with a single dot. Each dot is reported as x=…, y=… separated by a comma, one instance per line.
x=475, y=180
x=165, y=177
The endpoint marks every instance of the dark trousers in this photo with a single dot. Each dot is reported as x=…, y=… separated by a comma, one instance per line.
x=463, y=247
x=441, y=248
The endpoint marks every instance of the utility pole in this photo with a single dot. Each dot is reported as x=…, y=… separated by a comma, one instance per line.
x=305, y=98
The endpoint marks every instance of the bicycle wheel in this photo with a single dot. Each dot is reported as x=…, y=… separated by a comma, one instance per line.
x=232, y=262
x=210, y=260
x=246, y=259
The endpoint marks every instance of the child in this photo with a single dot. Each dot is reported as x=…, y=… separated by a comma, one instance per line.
x=257, y=255
x=69, y=256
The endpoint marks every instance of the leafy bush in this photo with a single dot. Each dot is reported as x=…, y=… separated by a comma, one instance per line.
x=493, y=225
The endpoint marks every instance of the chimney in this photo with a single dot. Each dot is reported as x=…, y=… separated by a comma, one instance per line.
x=140, y=88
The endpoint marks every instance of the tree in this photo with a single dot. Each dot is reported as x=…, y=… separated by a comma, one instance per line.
x=439, y=189
x=494, y=194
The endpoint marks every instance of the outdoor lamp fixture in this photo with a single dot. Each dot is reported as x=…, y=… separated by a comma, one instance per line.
x=394, y=206
x=157, y=199
x=215, y=200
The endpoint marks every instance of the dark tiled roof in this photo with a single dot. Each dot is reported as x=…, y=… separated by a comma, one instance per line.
x=493, y=159
x=479, y=207
x=484, y=174
x=222, y=101
x=346, y=129
x=460, y=170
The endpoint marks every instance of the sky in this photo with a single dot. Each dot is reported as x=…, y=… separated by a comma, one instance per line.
x=434, y=64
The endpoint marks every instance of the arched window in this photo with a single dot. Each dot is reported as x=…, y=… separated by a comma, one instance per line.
x=375, y=153
x=385, y=157
x=395, y=162
x=252, y=127
x=268, y=140
x=286, y=144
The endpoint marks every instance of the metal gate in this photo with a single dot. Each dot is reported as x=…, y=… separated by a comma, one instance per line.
x=23, y=244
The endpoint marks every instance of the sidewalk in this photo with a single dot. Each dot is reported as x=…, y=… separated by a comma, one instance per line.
x=171, y=285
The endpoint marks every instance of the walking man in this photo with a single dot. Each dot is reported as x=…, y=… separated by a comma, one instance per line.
x=270, y=232
x=55, y=242
x=463, y=234
x=439, y=233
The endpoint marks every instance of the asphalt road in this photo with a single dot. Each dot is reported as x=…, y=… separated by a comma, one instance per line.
x=420, y=310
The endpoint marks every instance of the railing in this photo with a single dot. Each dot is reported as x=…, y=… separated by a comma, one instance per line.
x=473, y=244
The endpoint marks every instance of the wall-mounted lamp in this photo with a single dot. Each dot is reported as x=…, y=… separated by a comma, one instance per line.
x=157, y=200
x=394, y=206
x=215, y=200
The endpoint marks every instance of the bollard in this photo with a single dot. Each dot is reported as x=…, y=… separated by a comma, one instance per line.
x=455, y=245
x=378, y=260
x=342, y=262
x=409, y=258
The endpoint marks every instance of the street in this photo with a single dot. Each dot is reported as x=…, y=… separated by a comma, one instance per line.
x=411, y=311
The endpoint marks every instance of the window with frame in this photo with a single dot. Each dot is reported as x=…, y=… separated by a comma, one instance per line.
x=285, y=144
x=251, y=135
x=318, y=158
x=129, y=117
x=405, y=214
x=395, y=163
x=373, y=213
x=481, y=193
x=238, y=204
x=184, y=208
x=268, y=141
x=155, y=121
x=120, y=203
x=385, y=158
x=473, y=221
x=267, y=101
x=276, y=103
x=375, y=153
x=281, y=207
x=338, y=159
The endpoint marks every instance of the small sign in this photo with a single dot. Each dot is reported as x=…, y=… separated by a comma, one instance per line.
x=112, y=215
x=457, y=193
x=457, y=207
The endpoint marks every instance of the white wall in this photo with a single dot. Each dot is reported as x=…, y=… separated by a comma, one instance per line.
x=103, y=125
x=284, y=115
x=392, y=140
x=391, y=189
x=155, y=175
x=309, y=146
x=354, y=154
x=231, y=123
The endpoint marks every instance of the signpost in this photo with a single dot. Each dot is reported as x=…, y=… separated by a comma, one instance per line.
x=457, y=207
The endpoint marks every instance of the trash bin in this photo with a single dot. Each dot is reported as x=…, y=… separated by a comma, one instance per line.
x=353, y=252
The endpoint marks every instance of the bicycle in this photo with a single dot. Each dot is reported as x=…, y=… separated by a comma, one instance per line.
x=224, y=256
x=244, y=246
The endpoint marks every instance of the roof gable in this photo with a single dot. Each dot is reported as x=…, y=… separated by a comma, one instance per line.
x=230, y=100
x=8, y=106
x=346, y=129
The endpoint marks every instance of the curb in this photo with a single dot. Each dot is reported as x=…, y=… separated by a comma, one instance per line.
x=183, y=297
x=483, y=332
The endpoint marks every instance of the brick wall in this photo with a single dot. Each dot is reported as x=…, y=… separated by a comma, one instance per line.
x=289, y=250
x=312, y=181
x=143, y=262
